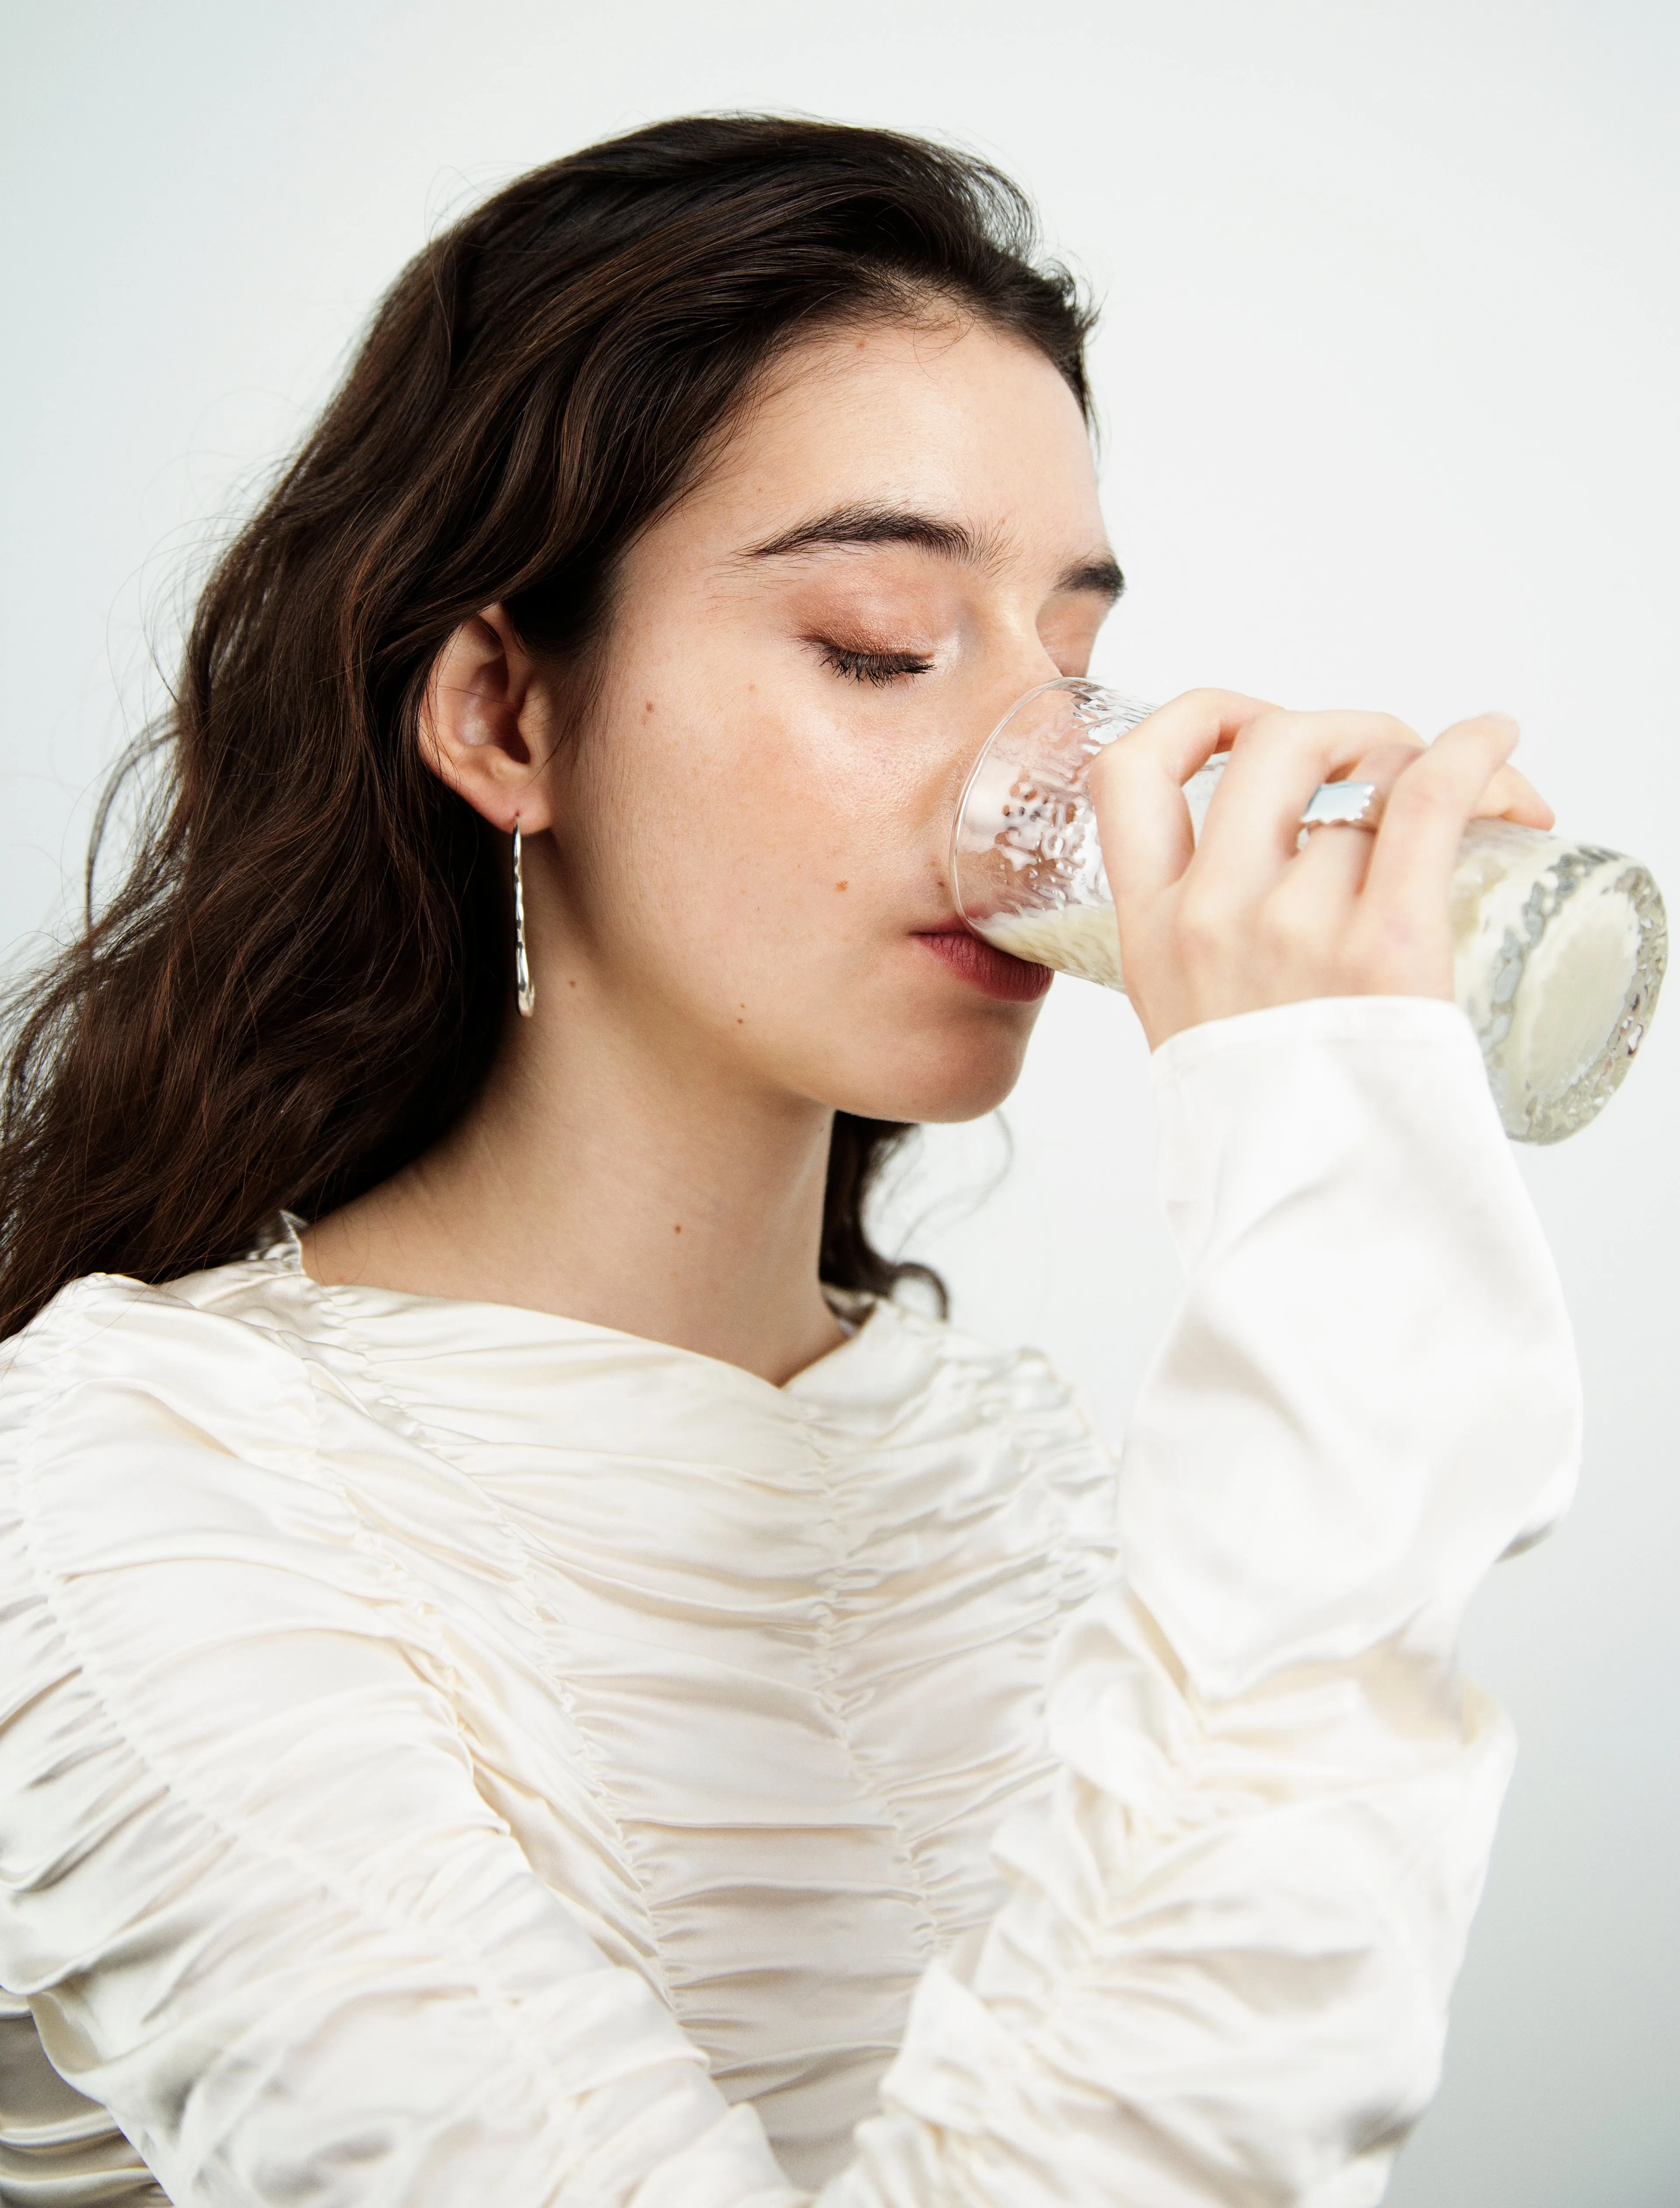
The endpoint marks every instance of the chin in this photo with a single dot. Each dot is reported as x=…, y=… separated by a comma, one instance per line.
x=951, y=1074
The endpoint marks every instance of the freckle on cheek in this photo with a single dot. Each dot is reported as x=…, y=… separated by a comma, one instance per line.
x=840, y=886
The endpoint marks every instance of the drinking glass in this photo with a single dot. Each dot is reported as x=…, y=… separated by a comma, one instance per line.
x=1558, y=948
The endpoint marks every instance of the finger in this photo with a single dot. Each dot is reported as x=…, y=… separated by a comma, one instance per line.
x=1432, y=802
x=1334, y=860
x=1137, y=787
x=1512, y=796
x=1250, y=837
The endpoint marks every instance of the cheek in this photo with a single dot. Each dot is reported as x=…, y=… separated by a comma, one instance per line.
x=722, y=836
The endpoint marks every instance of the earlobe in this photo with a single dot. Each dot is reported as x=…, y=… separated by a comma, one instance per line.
x=479, y=723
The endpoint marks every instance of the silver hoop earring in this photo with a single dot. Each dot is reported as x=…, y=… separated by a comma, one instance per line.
x=527, y=994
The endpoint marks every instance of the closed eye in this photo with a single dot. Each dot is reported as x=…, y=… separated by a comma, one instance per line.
x=876, y=667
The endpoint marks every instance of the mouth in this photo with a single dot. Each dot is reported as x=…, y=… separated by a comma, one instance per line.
x=995, y=973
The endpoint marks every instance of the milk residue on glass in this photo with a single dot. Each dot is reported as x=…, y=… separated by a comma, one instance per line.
x=1558, y=948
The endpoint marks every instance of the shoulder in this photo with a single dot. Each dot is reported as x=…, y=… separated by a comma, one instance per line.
x=125, y=1408
x=215, y=1345
x=174, y=1532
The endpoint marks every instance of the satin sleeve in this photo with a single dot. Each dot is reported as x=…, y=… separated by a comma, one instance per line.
x=1222, y=1974
x=261, y=1912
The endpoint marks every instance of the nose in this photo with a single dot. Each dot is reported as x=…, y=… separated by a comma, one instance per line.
x=996, y=697
x=1027, y=667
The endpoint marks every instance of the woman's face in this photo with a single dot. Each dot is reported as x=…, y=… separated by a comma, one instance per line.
x=749, y=857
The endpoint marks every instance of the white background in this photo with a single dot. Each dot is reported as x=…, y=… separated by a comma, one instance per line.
x=1388, y=376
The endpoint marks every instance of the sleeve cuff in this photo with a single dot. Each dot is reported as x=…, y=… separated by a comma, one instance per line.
x=1435, y=1020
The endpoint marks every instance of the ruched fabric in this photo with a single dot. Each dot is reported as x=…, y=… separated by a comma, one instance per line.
x=450, y=1754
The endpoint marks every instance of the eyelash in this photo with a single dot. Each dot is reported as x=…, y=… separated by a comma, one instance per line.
x=879, y=668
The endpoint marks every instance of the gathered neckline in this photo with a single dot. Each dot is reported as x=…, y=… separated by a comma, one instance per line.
x=281, y=1245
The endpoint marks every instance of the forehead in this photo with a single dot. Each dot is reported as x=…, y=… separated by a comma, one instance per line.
x=949, y=416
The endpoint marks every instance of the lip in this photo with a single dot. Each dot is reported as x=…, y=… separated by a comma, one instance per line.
x=996, y=973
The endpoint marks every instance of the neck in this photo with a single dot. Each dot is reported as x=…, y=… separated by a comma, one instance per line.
x=596, y=1178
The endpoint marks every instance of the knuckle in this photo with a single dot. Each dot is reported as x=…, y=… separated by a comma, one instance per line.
x=1208, y=698
x=1283, y=928
x=1270, y=730
x=1395, y=758
x=1278, y=724
x=1203, y=926
x=1390, y=728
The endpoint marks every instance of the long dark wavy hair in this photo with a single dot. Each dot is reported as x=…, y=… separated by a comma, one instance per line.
x=302, y=980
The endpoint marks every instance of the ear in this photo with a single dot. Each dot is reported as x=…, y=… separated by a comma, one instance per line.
x=486, y=726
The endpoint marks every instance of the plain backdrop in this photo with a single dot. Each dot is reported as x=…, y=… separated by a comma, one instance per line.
x=1388, y=380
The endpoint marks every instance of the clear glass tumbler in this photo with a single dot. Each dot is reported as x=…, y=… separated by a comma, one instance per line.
x=1558, y=948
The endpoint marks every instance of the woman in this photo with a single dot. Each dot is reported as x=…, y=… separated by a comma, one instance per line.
x=541, y=1683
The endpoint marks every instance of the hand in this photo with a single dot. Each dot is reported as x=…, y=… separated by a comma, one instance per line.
x=1245, y=919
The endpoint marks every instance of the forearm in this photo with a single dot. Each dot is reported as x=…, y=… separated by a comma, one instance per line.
x=1223, y=1974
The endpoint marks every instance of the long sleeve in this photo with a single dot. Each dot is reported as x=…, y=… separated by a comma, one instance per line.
x=304, y=1958
x=1223, y=1974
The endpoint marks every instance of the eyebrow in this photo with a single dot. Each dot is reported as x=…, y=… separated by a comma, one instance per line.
x=927, y=532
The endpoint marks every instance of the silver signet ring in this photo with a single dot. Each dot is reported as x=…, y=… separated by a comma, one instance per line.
x=1344, y=805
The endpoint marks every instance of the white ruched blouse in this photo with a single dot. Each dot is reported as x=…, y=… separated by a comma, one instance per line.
x=453, y=1754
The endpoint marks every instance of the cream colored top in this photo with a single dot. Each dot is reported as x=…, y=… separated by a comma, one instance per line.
x=451, y=1754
